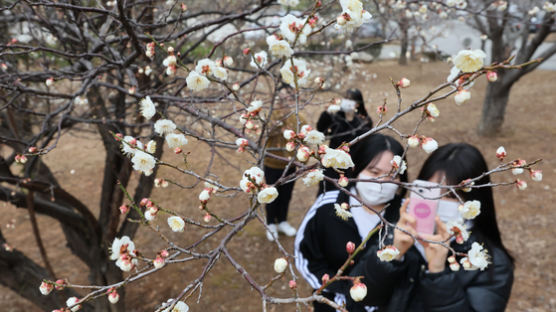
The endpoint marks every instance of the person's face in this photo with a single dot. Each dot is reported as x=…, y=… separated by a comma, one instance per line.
x=380, y=167
x=439, y=177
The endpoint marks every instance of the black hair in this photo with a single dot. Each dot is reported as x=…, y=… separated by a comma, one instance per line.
x=461, y=161
x=362, y=154
x=355, y=95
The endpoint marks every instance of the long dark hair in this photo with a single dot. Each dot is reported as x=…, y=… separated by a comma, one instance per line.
x=355, y=95
x=461, y=161
x=362, y=154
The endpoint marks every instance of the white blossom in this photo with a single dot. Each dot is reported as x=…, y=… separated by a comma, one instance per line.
x=469, y=61
x=290, y=3
x=143, y=162
x=462, y=96
x=478, y=256
x=313, y=177
x=398, y=162
x=196, y=82
x=388, y=253
x=277, y=47
x=164, y=126
x=432, y=110
x=470, y=209
x=46, y=288
x=337, y=159
x=292, y=27
x=148, y=108
x=121, y=245
x=73, y=301
x=259, y=60
x=180, y=306
x=255, y=173
x=342, y=212
x=298, y=70
x=175, y=140
x=267, y=195
x=130, y=145
x=280, y=265
x=358, y=291
x=429, y=145
x=255, y=106
x=176, y=223
x=151, y=147
x=314, y=137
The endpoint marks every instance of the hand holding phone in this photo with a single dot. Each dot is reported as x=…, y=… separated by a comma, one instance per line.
x=422, y=207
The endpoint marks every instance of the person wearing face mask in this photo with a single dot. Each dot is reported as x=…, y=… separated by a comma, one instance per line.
x=420, y=278
x=320, y=243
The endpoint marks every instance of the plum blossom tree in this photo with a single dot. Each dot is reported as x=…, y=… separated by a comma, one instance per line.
x=153, y=76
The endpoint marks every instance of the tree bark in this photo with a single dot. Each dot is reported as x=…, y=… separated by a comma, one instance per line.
x=404, y=42
x=494, y=108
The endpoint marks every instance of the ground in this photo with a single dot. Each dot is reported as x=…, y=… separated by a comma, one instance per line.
x=524, y=217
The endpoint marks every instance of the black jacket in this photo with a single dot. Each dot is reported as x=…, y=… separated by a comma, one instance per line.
x=320, y=243
x=406, y=286
x=339, y=129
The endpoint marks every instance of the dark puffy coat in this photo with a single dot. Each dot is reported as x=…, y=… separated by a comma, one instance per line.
x=406, y=286
x=340, y=129
x=320, y=244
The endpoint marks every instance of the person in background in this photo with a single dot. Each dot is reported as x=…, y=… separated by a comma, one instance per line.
x=277, y=211
x=320, y=244
x=343, y=126
x=420, y=278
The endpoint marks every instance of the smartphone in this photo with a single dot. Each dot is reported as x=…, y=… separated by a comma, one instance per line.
x=447, y=210
x=423, y=204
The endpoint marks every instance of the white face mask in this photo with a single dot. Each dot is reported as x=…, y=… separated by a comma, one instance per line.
x=374, y=194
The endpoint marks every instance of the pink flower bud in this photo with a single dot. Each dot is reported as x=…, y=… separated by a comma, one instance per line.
x=289, y=134
x=343, y=181
x=158, y=262
x=358, y=291
x=290, y=146
x=113, y=296
x=325, y=278
x=246, y=51
x=49, y=81
x=124, y=209
x=177, y=150
x=60, y=284
x=404, y=83
x=501, y=153
x=292, y=284
x=207, y=217
x=413, y=141
x=492, y=76
x=350, y=247
x=164, y=253
x=119, y=137
x=144, y=201
x=536, y=175
x=33, y=149
x=520, y=184
x=46, y=288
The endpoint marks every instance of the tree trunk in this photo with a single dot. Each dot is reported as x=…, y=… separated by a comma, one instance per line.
x=404, y=42
x=494, y=108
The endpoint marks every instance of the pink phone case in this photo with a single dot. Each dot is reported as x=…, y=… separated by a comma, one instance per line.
x=424, y=210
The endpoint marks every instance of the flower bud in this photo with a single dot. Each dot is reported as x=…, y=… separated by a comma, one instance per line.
x=144, y=201
x=280, y=265
x=492, y=76
x=341, y=20
x=33, y=149
x=290, y=146
x=358, y=291
x=46, y=288
x=289, y=134
x=164, y=253
x=60, y=284
x=158, y=262
x=404, y=83
x=246, y=51
x=462, y=96
x=292, y=284
x=124, y=209
x=207, y=217
x=429, y=145
x=325, y=278
x=413, y=141
x=520, y=184
x=235, y=86
x=343, y=181
x=536, y=175
x=454, y=266
x=113, y=296
x=177, y=150
x=501, y=153
x=49, y=81
x=350, y=247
